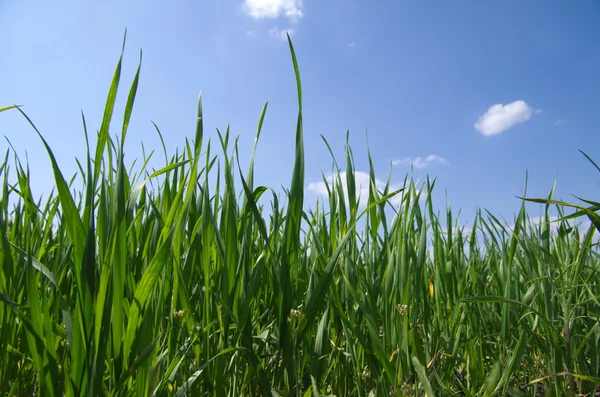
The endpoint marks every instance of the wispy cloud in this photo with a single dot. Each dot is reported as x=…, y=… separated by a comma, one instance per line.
x=352, y=45
x=362, y=181
x=560, y=122
x=276, y=33
x=583, y=224
x=251, y=33
x=536, y=221
x=500, y=118
x=421, y=162
x=272, y=9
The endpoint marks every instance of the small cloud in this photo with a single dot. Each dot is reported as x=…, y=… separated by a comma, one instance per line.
x=539, y=111
x=351, y=45
x=276, y=33
x=251, y=33
x=463, y=230
x=560, y=122
x=500, y=118
x=362, y=183
x=272, y=9
x=421, y=162
x=535, y=222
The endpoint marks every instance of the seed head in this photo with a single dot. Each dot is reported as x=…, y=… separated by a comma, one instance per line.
x=401, y=309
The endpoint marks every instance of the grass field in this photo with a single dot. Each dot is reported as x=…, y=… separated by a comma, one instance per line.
x=165, y=283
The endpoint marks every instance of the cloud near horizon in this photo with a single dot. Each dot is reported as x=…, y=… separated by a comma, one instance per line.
x=421, y=162
x=582, y=223
x=273, y=9
x=500, y=118
x=362, y=183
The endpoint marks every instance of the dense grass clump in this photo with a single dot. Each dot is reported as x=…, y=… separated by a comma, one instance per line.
x=183, y=284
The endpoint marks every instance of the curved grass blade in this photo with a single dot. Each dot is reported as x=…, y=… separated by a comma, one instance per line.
x=420, y=369
x=4, y=109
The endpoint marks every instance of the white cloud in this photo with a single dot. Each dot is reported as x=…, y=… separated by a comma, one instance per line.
x=276, y=33
x=272, y=9
x=465, y=230
x=500, y=118
x=582, y=223
x=560, y=122
x=362, y=183
x=251, y=33
x=536, y=221
x=421, y=162
x=351, y=45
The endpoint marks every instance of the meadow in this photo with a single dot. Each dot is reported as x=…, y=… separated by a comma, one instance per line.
x=191, y=280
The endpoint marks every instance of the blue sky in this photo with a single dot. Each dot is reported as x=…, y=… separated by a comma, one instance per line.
x=473, y=93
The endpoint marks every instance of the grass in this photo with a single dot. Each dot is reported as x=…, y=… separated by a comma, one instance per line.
x=179, y=282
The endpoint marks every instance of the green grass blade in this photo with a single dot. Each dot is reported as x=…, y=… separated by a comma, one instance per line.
x=420, y=369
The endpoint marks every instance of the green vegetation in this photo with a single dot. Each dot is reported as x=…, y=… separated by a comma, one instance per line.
x=174, y=283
